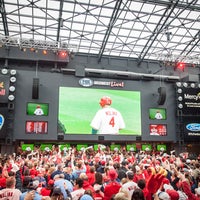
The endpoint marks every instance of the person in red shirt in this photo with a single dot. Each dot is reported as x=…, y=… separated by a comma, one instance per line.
x=91, y=175
x=46, y=191
x=112, y=187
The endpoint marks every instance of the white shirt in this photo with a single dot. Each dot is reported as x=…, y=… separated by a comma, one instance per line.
x=76, y=194
x=108, y=121
x=130, y=186
x=10, y=194
x=158, y=116
x=39, y=111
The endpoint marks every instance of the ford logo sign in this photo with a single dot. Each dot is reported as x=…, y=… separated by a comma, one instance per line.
x=86, y=82
x=193, y=127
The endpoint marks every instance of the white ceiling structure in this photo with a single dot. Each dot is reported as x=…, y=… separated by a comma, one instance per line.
x=166, y=30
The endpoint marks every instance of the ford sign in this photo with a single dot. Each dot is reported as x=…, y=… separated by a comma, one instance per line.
x=193, y=127
x=86, y=82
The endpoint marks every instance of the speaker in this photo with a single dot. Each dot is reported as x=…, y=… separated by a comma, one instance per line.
x=60, y=136
x=101, y=138
x=162, y=95
x=8, y=140
x=11, y=106
x=138, y=138
x=35, y=88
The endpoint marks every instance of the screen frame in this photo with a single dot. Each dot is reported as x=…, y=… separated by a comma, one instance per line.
x=43, y=105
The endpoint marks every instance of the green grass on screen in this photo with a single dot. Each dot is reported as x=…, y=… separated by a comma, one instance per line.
x=77, y=107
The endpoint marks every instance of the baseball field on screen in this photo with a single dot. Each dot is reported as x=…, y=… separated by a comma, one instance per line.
x=77, y=107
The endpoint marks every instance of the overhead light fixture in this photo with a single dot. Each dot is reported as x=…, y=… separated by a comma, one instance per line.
x=23, y=49
x=180, y=98
x=11, y=97
x=4, y=71
x=13, y=79
x=178, y=84
x=180, y=66
x=44, y=52
x=180, y=105
x=32, y=49
x=179, y=90
x=185, y=84
x=13, y=72
x=12, y=88
x=62, y=54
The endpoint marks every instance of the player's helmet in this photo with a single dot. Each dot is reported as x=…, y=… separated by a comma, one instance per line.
x=105, y=101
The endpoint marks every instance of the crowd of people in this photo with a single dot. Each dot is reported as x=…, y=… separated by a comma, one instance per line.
x=99, y=175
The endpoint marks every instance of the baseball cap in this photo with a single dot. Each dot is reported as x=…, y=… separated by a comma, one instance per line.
x=163, y=196
x=167, y=187
x=86, y=197
x=112, y=174
x=57, y=191
x=197, y=191
x=174, y=195
x=34, y=184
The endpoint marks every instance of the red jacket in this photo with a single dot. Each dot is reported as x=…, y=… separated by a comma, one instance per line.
x=111, y=189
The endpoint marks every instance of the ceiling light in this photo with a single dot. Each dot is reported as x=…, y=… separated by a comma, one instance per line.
x=192, y=85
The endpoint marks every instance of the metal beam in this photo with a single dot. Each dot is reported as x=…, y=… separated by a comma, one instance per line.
x=109, y=29
x=4, y=18
x=60, y=20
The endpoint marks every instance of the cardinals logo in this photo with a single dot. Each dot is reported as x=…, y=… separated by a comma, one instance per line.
x=1, y=121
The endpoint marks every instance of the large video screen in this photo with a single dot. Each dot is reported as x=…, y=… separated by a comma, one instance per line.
x=78, y=106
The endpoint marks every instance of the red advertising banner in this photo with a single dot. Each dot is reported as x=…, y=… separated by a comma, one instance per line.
x=158, y=129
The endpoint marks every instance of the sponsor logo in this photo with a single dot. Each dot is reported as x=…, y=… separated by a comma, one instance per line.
x=86, y=82
x=1, y=121
x=193, y=127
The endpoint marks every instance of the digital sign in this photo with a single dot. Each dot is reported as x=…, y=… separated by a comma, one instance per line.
x=189, y=101
x=158, y=129
x=36, y=127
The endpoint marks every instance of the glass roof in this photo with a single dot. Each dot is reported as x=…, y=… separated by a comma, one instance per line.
x=140, y=29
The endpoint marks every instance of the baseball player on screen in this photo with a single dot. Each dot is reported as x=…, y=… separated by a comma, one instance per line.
x=107, y=120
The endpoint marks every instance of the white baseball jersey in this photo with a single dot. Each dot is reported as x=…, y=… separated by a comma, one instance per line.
x=39, y=111
x=108, y=121
x=158, y=116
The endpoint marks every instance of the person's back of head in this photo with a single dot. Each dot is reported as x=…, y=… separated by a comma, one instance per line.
x=130, y=175
x=138, y=195
x=141, y=184
x=79, y=182
x=10, y=182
